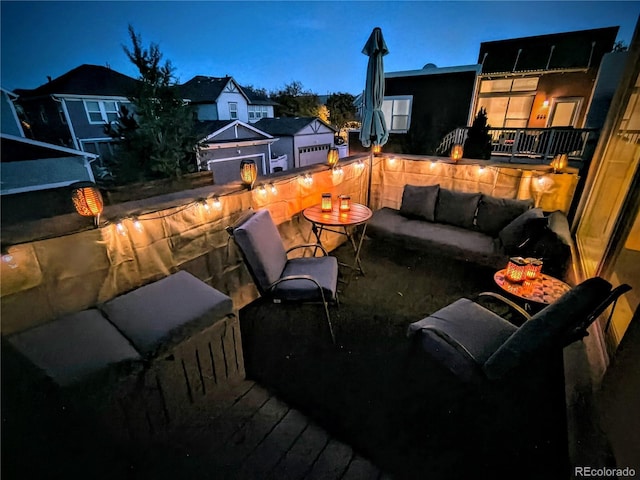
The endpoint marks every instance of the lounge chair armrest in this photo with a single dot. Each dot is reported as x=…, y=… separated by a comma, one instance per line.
x=309, y=245
x=508, y=302
x=300, y=277
x=451, y=341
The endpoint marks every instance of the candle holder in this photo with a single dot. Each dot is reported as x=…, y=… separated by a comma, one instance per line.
x=345, y=203
x=516, y=270
x=533, y=268
x=326, y=204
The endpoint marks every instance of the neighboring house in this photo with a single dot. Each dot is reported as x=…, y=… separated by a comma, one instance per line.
x=225, y=143
x=541, y=81
x=304, y=140
x=9, y=121
x=73, y=109
x=215, y=98
x=28, y=165
x=421, y=106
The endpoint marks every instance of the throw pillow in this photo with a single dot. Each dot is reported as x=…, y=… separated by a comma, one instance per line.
x=457, y=208
x=496, y=213
x=419, y=202
x=523, y=229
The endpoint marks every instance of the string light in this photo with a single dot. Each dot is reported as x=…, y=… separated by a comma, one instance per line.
x=359, y=164
x=273, y=188
x=8, y=260
x=137, y=224
x=121, y=229
x=262, y=189
x=217, y=204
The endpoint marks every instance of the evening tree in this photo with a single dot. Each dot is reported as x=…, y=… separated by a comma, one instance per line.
x=156, y=136
x=294, y=101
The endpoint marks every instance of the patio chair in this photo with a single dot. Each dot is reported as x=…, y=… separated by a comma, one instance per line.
x=476, y=344
x=304, y=279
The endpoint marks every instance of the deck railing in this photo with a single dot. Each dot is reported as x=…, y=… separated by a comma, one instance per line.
x=532, y=145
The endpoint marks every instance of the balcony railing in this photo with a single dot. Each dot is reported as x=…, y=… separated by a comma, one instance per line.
x=529, y=145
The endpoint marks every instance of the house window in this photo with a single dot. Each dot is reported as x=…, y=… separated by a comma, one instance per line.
x=256, y=112
x=508, y=102
x=233, y=110
x=397, y=113
x=102, y=111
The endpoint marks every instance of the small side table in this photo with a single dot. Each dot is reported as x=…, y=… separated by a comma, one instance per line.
x=542, y=291
x=358, y=214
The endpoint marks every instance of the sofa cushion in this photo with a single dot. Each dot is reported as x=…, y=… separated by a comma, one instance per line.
x=75, y=347
x=419, y=202
x=460, y=243
x=162, y=314
x=457, y=208
x=522, y=230
x=496, y=213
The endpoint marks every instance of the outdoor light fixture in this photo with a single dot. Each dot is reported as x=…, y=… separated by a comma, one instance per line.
x=456, y=152
x=516, y=270
x=533, y=268
x=559, y=163
x=326, y=205
x=333, y=157
x=87, y=200
x=248, y=172
x=216, y=203
x=345, y=203
x=377, y=149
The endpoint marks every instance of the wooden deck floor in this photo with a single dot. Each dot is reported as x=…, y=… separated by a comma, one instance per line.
x=248, y=433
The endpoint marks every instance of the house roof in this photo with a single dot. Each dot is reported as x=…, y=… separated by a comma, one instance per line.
x=86, y=80
x=16, y=148
x=202, y=89
x=209, y=130
x=287, y=126
x=579, y=49
x=257, y=98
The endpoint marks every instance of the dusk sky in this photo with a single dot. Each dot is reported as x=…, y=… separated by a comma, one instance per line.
x=270, y=44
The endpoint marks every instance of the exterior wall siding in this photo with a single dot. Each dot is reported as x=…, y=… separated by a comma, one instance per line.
x=223, y=106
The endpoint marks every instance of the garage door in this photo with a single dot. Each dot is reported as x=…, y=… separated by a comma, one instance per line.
x=313, y=154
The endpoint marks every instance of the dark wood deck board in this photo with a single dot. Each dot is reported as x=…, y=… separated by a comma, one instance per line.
x=332, y=462
x=361, y=469
x=302, y=455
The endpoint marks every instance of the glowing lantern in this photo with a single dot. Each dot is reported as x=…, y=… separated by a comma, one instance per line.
x=87, y=200
x=456, y=152
x=377, y=149
x=326, y=202
x=248, y=172
x=533, y=268
x=333, y=157
x=516, y=269
x=345, y=203
x=559, y=162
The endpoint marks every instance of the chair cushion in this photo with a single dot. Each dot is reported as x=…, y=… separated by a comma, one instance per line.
x=261, y=244
x=549, y=328
x=419, y=202
x=522, y=230
x=74, y=347
x=479, y=331
x=457, y=208
x=496, y=213
x=322, y=269
x=161, y=314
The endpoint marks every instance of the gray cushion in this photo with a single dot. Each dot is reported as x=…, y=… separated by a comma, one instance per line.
x=419, y=202
x=522, y=230
x=74, y=347
x=161, y=314
x=457, y=208
x=261, y=244
x=548, y=328
x=496, y=213
x=456, y=242
x=322, y=269
x=478, y=330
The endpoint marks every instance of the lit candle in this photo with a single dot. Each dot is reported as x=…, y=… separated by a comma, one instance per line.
x=326, y=202
x=345, y=203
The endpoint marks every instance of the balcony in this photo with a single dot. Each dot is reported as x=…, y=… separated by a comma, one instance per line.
x=351, y=410
x=531, y=145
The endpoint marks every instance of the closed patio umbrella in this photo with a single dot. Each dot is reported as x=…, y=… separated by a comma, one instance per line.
x=374, y=129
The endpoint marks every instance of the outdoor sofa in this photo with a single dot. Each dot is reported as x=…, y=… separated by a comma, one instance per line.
x=475, y=227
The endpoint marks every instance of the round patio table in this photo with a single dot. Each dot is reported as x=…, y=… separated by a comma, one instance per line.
x=341, y=222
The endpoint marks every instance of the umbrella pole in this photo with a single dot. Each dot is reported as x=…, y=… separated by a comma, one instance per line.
x=370, y=176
